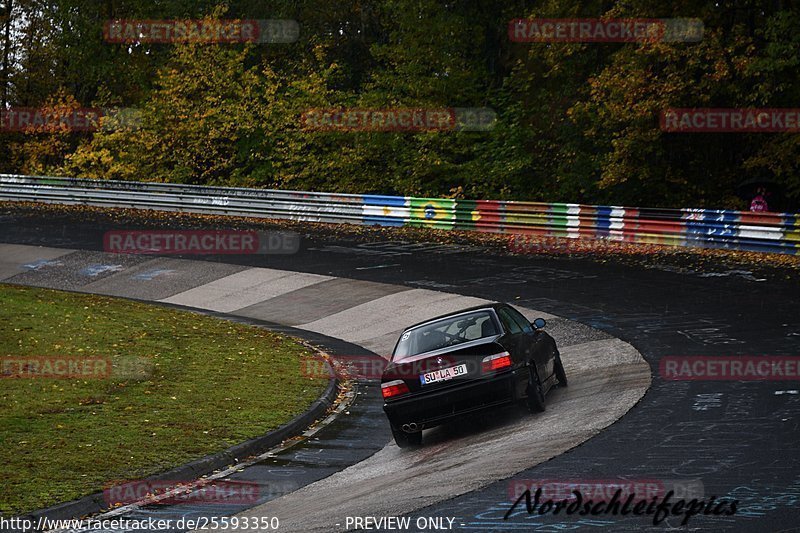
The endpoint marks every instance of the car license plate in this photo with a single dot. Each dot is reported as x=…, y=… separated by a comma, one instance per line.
x=443, y=374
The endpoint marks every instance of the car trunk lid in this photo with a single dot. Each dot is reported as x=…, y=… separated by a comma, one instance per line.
x=443, y=368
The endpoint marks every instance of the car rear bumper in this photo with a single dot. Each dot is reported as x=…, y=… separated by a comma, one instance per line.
x=436, y=407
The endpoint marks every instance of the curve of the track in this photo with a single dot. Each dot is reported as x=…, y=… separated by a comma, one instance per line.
x=738, y=439
x=604, y=371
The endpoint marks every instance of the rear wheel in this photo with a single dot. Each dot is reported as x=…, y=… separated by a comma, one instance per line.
x=560, y=374
x=535, y=400
x=406, y=440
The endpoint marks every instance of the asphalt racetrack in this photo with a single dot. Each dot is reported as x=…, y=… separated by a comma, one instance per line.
x=735, y=440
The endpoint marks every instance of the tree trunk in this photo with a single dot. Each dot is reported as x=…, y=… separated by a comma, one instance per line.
x=6, y=51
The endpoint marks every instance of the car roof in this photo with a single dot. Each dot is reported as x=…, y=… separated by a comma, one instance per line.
x=486, y=306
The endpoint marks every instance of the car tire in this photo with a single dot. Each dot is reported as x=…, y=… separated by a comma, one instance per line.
x=406, y=440
x=561, y=375
x=535, y=399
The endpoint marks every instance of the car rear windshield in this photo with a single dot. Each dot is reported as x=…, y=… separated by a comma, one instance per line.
x=446, y=332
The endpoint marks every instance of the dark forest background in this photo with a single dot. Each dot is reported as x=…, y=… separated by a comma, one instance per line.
x=576, y=122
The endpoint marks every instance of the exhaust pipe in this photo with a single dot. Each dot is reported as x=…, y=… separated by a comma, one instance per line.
x=410, y=428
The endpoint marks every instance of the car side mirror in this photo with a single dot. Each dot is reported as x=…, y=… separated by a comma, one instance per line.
x=539, y=323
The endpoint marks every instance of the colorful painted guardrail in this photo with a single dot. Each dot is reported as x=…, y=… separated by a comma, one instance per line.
x=690, y=227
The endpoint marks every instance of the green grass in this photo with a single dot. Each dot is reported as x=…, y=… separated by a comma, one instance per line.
x=183, y=386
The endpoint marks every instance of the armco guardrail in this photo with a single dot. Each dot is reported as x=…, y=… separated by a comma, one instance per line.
x=707, y=228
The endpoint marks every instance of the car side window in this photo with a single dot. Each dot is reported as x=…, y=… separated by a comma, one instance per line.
x=521, y=320
x=509, y=323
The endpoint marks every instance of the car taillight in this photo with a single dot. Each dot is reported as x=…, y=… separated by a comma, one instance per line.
x=394, y=388
x=496, y=362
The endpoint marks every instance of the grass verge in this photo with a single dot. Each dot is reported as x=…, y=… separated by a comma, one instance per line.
x=180, y=386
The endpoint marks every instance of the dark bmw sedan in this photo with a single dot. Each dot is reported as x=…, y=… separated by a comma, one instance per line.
x=456, y=364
